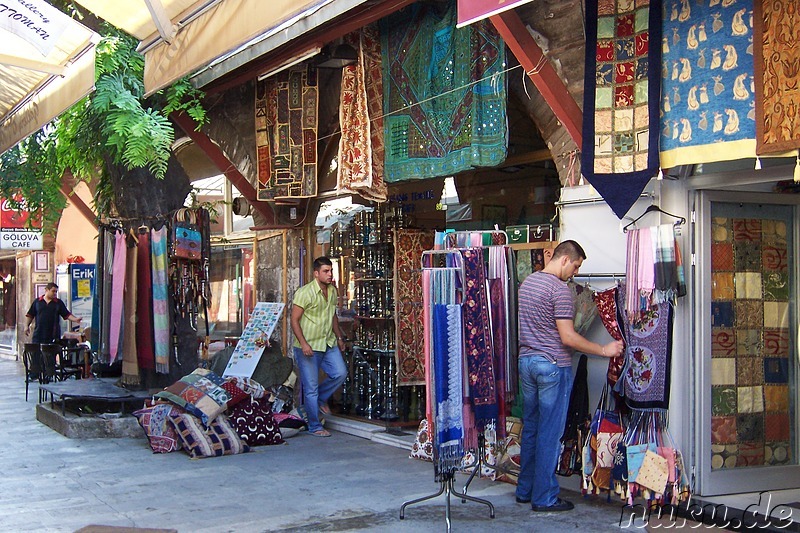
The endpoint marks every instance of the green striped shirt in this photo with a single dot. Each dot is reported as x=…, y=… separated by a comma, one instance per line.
x=317, y=320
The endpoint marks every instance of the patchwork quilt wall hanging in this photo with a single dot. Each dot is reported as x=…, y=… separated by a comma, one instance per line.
x=286, y=134
x=621, y=93
x=444, y=94
x=777, y=59
x=708, y=104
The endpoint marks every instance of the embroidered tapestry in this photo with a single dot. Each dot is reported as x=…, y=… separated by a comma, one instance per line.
x=620, y=102
x=708, y=106
x=751, y=338
x=645, y=380
x=444, y=94
x=777, y=61
x=361, y=151
x=408, y=247
x=286, y=134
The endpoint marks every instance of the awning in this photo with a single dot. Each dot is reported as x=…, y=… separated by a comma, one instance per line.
x=46, y=65
x=178, y=37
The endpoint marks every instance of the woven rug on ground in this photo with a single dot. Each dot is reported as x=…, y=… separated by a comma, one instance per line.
x=444, y=94
x=286, y=134
x=776, y=59
x=620, y=125
x=708, y=106
x=408, y=248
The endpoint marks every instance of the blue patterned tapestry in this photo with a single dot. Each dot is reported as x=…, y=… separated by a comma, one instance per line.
x=444, y=94
x=707, y=102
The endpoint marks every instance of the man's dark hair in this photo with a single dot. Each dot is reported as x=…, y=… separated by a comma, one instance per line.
x=50, y=285
x=319, y=261
x=571, y=249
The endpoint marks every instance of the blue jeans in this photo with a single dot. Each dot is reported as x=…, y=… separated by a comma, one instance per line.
x=315, y=393
x=545, y=391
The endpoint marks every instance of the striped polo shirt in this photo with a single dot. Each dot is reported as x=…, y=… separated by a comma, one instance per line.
x=543, y=299
x=317, y=320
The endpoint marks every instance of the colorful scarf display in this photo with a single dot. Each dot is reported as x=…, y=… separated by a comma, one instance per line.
x=606, y=303
x=776, y=58
x=105, y=315
x=286, y=134
x=117, y=295
x=645, y=382
x=444, y=94
x=478, y=337
x=408, y=247
x=144, y=305
x=621, y=98
x=653, y=268
x=446, y=362
x=158, y=260
x=361, y=150
x=708, y=104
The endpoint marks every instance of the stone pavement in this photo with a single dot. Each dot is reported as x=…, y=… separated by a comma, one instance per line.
x=343, y=483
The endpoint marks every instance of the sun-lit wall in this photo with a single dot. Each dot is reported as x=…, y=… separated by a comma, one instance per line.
x=76, y=236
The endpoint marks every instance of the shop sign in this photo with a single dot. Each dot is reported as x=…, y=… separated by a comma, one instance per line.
x=470, y=11
x=18, y=226
x=20, y=240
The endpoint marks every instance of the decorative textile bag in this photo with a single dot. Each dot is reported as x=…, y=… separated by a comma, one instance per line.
x=607, y=427
x=653, y=473
x=635, y=454
x=186, y=237
x=577, y=424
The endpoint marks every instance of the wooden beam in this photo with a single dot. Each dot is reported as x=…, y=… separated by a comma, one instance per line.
x=69, y=193
x=540, y=71
x=527, y=157
x=225, y=166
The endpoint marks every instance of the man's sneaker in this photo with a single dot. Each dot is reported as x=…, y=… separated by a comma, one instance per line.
x=560, y=505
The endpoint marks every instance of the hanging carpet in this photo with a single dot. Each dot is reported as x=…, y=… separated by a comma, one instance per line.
x=361, y=150
x=776, y=60
x=444, y=94
x=408, y=248
x=621, y=94
x=286, y=134
x=708, y=105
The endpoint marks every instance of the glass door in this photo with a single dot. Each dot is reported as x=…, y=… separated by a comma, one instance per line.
x=748, y=369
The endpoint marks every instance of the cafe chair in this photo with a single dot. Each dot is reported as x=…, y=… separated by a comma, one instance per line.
x=32, y=358
x=50, y=354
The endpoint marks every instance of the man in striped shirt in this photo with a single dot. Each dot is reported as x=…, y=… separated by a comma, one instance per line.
x=318, y=343
x=547, y=338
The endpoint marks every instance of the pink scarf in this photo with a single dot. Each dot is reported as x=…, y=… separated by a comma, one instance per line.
x=117, y=292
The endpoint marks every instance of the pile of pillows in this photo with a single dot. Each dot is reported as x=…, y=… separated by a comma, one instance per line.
x=209, y=416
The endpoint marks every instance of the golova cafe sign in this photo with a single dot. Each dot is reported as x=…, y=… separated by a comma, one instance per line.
x=18, y=231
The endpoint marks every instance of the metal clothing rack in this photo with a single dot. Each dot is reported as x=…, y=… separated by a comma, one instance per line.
x=453, y=261
x=453, y=236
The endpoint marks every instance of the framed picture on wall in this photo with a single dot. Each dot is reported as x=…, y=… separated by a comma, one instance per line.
x=494, y=214
x=41, y=261
x=38, y=289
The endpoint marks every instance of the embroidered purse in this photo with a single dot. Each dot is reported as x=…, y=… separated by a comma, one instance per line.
x=186, y=237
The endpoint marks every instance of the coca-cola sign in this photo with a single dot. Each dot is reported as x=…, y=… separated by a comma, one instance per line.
x=16, y=215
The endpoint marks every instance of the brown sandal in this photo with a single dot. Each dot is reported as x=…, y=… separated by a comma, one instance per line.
x=320, y=433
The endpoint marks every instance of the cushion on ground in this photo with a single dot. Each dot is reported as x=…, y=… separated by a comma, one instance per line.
x=249, y=386
x=218, y=439
x=236, y=393
x=158, y=428
x=200, y=393
x=254, y=423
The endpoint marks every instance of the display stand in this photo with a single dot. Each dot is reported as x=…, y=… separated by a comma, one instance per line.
x=446, y=482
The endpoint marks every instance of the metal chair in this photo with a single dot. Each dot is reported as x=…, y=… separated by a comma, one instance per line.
x=32, y=358
x=50, y=355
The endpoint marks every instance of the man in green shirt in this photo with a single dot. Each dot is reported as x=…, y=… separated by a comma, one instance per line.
x=318, y=343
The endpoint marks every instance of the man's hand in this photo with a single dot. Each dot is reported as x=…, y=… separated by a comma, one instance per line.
x=307, y=350
x=340, y=343
x=613, y=349
x=28, y=330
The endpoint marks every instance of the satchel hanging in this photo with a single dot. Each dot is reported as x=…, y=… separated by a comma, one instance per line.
x=186, y=237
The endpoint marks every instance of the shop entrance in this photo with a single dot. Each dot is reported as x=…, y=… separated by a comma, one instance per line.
x=747, y=317
x=8, y=305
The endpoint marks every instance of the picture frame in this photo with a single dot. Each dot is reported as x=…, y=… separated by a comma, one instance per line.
x=41, y=261
x=494, y=214
x=38, y=289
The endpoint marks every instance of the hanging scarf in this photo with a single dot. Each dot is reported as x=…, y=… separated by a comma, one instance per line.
x=606, y=302
x=130, y=364
x=108, y=270
x=478, y=337
x=631, y=300
x=144, y=305
x=158, y=259
x=646, y=267
x=117, y=295
x=448, y=355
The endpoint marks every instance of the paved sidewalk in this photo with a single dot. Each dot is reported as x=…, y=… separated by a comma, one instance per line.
x=344, y=483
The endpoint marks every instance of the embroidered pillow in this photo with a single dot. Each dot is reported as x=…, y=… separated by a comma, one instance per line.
x=254, y=423
x=249, y=386
x=236, y=393
x=290, y=425
x=158, y=428
x=200, y=393
x=423, y=446
x=216, y=440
